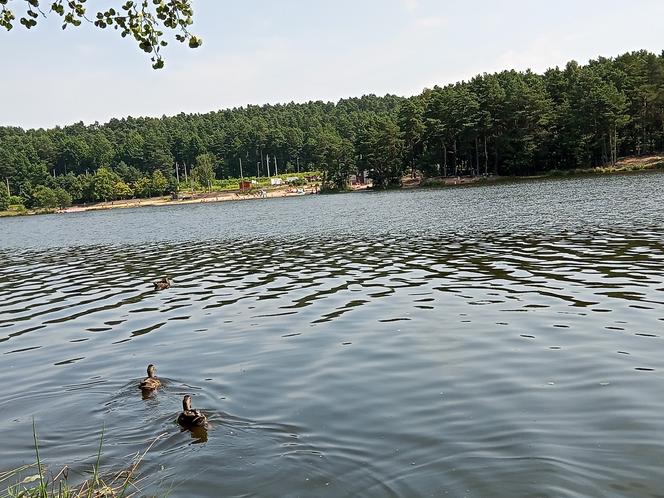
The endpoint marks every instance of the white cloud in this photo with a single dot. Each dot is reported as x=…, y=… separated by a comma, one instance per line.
x=431, y=22
x=401, y=51
x=411, y=5
x=542, y=53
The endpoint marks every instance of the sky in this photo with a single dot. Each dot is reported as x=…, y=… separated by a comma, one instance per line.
x=277, y=51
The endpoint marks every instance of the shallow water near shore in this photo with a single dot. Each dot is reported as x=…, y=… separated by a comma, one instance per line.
x=502, y=340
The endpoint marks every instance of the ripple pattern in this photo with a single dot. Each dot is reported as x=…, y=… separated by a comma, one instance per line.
x=501, y=341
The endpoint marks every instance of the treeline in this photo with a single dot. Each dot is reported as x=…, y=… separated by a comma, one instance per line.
x=511, y=123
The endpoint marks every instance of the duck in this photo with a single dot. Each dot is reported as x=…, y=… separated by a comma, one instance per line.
x=162, y=284
x=191, y=418
x=151, y=382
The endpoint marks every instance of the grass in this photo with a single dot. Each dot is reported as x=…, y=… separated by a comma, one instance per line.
x=20, y=210
x=12, y=212
x=119, y=484
x=624, y=165
x=232, y=184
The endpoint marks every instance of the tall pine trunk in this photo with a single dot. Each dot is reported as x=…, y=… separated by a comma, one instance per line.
x=495, y=159
x=477, y=158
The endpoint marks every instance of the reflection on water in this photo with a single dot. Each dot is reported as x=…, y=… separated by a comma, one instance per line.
x=501, y=341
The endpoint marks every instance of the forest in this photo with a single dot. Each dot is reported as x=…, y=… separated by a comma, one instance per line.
x=507, y=123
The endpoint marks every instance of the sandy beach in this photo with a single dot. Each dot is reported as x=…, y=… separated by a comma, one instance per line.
x=195, y=198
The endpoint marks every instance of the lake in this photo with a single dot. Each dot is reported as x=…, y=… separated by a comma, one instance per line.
x=485, y=341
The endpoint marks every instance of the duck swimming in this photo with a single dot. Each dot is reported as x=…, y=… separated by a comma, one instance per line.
x=191, y=418
x=162, y=284
x=151, y=382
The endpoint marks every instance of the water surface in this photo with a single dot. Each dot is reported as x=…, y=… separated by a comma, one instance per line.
x=486, y=341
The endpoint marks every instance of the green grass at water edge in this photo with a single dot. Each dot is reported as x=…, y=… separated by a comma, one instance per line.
x=122, y=484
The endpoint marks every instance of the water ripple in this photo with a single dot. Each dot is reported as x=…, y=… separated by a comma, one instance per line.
x=490, y=342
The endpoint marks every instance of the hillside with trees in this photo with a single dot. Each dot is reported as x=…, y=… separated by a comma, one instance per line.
x=508, y=123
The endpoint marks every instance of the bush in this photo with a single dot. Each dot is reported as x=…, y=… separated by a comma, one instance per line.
x=63, y=198
x=298, y=183
x=44, y=197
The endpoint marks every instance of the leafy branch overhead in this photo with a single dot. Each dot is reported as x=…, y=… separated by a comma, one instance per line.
x=144, y=20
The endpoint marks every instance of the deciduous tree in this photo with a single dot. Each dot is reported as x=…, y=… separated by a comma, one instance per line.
x=142, y=20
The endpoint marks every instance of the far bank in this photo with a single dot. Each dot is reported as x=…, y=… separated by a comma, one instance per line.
x=624, y=165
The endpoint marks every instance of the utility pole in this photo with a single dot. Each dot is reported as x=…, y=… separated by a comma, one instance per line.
x=177, y=172
x=261, y=168
x=276, y=167
x=268, y=166
x=241, y=175
x=9, y=193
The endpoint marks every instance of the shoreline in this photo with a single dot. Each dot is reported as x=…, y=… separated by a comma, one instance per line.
x=192, y=198
x=625, y=165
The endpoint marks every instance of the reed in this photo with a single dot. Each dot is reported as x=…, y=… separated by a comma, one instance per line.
x=124, y=483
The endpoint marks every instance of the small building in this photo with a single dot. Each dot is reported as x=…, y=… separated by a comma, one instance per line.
x=245, y=185
x=276, y=181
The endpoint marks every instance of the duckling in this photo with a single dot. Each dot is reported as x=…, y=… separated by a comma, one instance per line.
x=162, y=284
x=151, y=382
x=191, y=418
